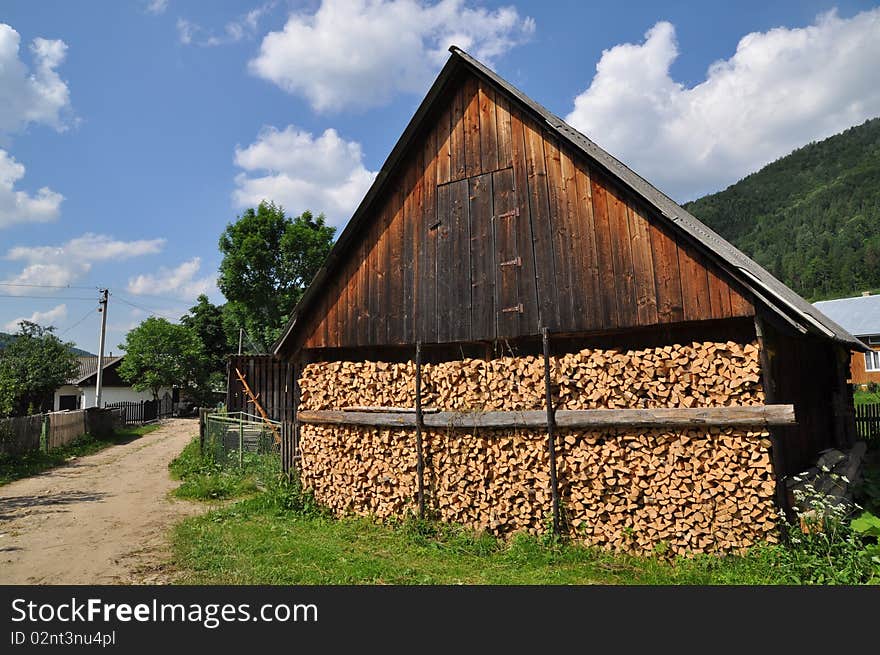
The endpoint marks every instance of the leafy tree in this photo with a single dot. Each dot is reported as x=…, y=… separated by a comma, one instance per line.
x=268, y=261
x=32, y=366
x=205, y=320
x=161, y=354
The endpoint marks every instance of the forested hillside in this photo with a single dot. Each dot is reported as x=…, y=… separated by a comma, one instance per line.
x=6, y=338
x=811, y=218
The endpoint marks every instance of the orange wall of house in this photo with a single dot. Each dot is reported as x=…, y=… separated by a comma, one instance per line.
x=857, y=370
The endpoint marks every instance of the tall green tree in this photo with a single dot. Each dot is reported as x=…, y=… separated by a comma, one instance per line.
x=160, y=354
x=268, y=261
x=32, y=366
x=205, y=320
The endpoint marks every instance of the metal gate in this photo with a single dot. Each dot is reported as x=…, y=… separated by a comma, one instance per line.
x=241, y=436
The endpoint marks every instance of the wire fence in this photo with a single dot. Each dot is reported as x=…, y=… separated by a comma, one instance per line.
x=243, y=440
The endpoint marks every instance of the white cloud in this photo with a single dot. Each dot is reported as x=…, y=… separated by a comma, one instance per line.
x=358, y=53
x=243, y=27
x=324, y=174
x=31, y=96
x=181, y=281
x=49, y=317
x=780, y=90
x=19, y=206
x=61, y=265
x=157, y=6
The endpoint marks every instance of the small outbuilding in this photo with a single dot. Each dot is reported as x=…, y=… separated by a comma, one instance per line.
x=517, y=332
x=861, y=316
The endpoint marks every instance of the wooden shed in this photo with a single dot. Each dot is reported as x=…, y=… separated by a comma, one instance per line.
x=495, y=229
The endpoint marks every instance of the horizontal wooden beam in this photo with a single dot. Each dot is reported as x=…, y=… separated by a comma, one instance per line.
x=380, y=409
x=751, y=416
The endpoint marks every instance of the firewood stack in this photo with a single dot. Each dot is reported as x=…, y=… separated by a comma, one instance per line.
x=688, y=491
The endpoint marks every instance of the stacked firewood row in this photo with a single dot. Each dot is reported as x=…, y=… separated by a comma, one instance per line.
x=696, y=375
x=687, y=491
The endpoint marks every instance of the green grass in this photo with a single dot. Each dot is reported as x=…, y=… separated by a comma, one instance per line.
x=23, y=466
x=274, y=533
x=204, y=478
x=866, y=397
x=280, y=537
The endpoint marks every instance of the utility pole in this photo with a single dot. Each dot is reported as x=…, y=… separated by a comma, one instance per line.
x=100, y=376
x=240, y=337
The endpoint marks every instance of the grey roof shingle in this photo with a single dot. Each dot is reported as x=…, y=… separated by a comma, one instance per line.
x=788, y=305
x=859, y=315
x=88, y=366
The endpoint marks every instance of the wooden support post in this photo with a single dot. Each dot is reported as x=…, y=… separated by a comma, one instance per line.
x=551, y=430
x=770, y=398
x=420, y=464
x=296, y=423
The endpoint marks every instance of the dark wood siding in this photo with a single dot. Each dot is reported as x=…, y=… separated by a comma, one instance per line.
x=493, y=228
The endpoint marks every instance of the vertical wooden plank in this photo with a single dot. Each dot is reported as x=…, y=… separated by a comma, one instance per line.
x=621, y=256
x=376, y=283
x=351, y=333
x=363, y=293
x=411, y=216
x=332, y=320
x=471, y=109
x=458, y=164
x=446, y=266
x=426, y=285
x=542, y=225
x=488, y=128
x=607, y=280
x=461, y=245
x=560, y=235
x=667, y=278
x=719, y=296
x=694, y=286
x=590, y=305
x=643, y=266
x=482, y=258
x=443, y=135
x=393, y=308
x=503, y=131
x=508, y=260
x=740, y=305
x=527, y=283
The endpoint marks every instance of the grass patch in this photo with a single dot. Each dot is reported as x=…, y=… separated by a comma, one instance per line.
x=864, y=397
x=206, y=478
x=23, y=466
x=280, y=537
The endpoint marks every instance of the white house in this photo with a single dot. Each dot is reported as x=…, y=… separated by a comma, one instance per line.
x=79, y=392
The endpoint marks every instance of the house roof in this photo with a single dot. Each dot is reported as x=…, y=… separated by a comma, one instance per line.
x=784, y=302
x=859, y=315
x=88, y=366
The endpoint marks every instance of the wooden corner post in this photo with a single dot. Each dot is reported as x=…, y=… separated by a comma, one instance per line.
x=551, y=429
x=770, y=398
x=420, y=464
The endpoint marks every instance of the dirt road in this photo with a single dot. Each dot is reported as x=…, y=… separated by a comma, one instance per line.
x=101, y=519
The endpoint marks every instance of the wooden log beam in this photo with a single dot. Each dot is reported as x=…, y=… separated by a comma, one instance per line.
x=379, y=409
x=741, y=416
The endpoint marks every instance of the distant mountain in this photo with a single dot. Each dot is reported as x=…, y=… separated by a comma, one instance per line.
x=811, y=218
x=6, y=338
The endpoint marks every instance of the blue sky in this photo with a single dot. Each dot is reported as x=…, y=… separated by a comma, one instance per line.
x=132, y=132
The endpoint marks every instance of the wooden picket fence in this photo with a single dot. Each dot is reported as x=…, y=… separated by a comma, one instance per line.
x=24, y=434
x=144, y=411
x=868, y=421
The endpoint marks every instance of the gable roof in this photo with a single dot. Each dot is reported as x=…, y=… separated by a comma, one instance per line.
x=859, y=315
x=88, y=366
x=772, y=293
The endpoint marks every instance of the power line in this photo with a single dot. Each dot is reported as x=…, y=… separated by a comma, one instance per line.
x=145, y=309
x=88, y=314
x=43, y=286
x=13, y=295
